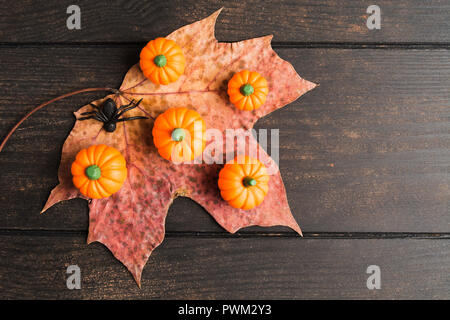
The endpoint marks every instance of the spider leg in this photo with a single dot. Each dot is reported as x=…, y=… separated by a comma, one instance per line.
x=93, y=105
x=138, y=102
x=125, y=106
x=128, y=108
x=96, y=117
x=85, y=118
x=123, y=111
x=99, y=113
x=130, y=118
x=88, y=113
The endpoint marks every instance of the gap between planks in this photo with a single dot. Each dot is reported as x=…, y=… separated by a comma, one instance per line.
x=249, y=234
x=275, y=45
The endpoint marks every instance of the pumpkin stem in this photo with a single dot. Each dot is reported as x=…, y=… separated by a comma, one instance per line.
x=160, y=60
x=249, y=182
x=93, y=172
x=247, y=89
x=47, y=103
x=178, y=134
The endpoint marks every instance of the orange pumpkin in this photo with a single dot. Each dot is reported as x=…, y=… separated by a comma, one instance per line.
x=247, y=90
x=243, y=182
x=99, y=171
x=179, y=134
x=162, y=61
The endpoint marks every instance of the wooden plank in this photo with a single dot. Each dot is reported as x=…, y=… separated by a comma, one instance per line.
x=34, y=267
x=367, y=151
x=290, y=21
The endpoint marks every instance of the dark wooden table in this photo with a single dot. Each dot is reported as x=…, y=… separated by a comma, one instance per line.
x=365, y=156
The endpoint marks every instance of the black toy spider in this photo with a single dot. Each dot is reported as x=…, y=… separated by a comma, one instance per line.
x=109, y=114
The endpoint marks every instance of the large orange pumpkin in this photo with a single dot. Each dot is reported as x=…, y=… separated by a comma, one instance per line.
x=243, y=182
x=247, y=90
x=99, y=171
x=179, y=134
x=162, y=61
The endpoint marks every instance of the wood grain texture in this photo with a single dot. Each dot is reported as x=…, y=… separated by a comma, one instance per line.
x=410, y=21
x=232, y=268
x=367, y=151
x=364, y=157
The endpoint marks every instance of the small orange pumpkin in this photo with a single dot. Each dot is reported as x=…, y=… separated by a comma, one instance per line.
x=162, y=61
x=179, y=134
x=243, y=182
x=99, y=171
x=247, y=90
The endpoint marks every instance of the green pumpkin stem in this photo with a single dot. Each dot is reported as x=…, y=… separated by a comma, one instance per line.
x=247, y=89
x=160, y=60
x=249, y=182
x=93, y=172
x=178, y=134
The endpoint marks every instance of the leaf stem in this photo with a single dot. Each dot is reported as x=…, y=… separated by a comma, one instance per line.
x=47, y=103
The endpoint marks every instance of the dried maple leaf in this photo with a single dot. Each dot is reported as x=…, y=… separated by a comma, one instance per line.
x=131, y=222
